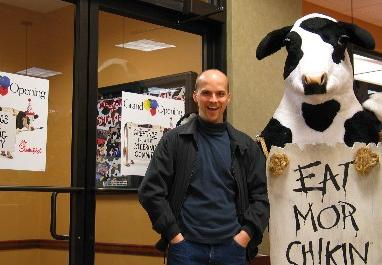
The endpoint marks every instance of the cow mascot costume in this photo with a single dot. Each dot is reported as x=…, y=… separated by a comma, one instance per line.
x=319, y=104
x=321, y=140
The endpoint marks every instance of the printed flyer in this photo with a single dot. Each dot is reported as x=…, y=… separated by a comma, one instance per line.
x=144, y=120
x=23, y=122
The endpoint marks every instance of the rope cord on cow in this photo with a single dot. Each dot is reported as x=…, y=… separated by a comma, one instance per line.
x=263, y=145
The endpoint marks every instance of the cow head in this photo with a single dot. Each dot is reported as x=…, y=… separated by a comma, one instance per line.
x=318, y=65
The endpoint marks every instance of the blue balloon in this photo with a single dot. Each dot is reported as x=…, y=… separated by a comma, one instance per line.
x=4, y=81
x=154, y=103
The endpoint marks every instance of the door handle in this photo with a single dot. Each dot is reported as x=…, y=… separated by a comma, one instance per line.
x=53, y=217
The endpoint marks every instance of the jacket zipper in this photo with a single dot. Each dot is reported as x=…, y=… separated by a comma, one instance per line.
x=181, y=200
x=240, y=195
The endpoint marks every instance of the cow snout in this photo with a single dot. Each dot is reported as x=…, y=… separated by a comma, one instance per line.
x=315, y=79
x=314, y=84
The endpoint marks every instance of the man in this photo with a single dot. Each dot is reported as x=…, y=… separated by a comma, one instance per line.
x=205, y=188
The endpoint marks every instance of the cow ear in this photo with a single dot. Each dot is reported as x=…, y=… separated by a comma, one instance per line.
x=272, y=42
x=358, y=36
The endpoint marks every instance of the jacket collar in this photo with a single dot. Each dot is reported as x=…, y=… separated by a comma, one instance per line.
x=236, y=137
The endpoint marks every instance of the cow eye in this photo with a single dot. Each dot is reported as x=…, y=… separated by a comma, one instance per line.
x=343, y=40
x=286, y=42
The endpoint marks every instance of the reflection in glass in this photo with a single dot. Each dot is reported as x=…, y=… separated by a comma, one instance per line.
x=36, y=55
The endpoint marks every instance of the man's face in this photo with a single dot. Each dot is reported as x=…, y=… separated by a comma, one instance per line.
x=212, y=97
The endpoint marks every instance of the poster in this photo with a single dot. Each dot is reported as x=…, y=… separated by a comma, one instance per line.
x=23, y=125
x=7, y=132
x=144, y=120
x=322, y=211
x=108, y=157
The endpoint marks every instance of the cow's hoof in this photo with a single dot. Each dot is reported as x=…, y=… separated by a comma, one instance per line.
x=365, y=160
x=278, y=163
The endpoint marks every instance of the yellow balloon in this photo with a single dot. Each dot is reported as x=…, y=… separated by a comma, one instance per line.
x=147, y=104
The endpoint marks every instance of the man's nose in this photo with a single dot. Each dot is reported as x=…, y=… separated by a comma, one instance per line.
x=213, y=98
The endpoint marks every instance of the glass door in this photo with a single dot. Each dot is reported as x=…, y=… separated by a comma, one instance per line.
x=149, y=55
x=44, y=196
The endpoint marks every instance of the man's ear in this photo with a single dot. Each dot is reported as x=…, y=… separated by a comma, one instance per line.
x=194, y=96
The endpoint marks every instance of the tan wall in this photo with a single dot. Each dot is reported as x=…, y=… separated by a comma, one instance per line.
x=22, y=257
x=257, y=86
x=121, y=219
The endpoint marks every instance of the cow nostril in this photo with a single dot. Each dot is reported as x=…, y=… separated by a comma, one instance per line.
x=305, y=79
x=324, y=77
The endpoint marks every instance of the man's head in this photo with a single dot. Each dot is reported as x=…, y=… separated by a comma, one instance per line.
x=212, y=95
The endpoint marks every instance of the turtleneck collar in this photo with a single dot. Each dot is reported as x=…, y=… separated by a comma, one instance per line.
x=211, y=128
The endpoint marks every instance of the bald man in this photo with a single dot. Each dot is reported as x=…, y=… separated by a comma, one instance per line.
x=205, y=188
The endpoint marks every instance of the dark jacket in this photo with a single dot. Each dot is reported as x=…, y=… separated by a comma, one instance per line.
x=164, y=187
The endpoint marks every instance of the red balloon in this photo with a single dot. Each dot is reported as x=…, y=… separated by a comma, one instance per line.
x=153, y=111
x=3, y=90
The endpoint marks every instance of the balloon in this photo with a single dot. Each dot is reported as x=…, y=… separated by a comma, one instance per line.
x=154, y=104
x=147, y=104
x=3, y=90
x=4, y=81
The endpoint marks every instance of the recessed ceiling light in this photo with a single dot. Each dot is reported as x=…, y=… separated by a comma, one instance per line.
x=38, y=72
x=145, y=45
x=367, y=69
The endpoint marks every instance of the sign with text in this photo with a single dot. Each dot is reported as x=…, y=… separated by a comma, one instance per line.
x=7, y=132
x=144, y=120
x=141, y=144
x=322, y=211
x=24, y=105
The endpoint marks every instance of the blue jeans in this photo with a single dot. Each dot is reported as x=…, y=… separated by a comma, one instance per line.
x=191, y=253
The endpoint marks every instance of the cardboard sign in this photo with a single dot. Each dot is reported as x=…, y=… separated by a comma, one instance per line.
x=322, y=211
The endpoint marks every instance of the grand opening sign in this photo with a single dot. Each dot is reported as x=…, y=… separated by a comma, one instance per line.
x=23, y=122
x=322, y=211
x=144, y=120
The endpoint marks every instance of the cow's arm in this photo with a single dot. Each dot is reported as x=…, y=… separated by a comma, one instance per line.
x=275, y=134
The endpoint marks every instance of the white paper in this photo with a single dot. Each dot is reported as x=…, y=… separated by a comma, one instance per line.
x=144, y=120
x=26, y=99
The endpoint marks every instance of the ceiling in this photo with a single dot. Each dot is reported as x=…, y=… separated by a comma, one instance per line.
x=41, y=6
x=366, y=10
